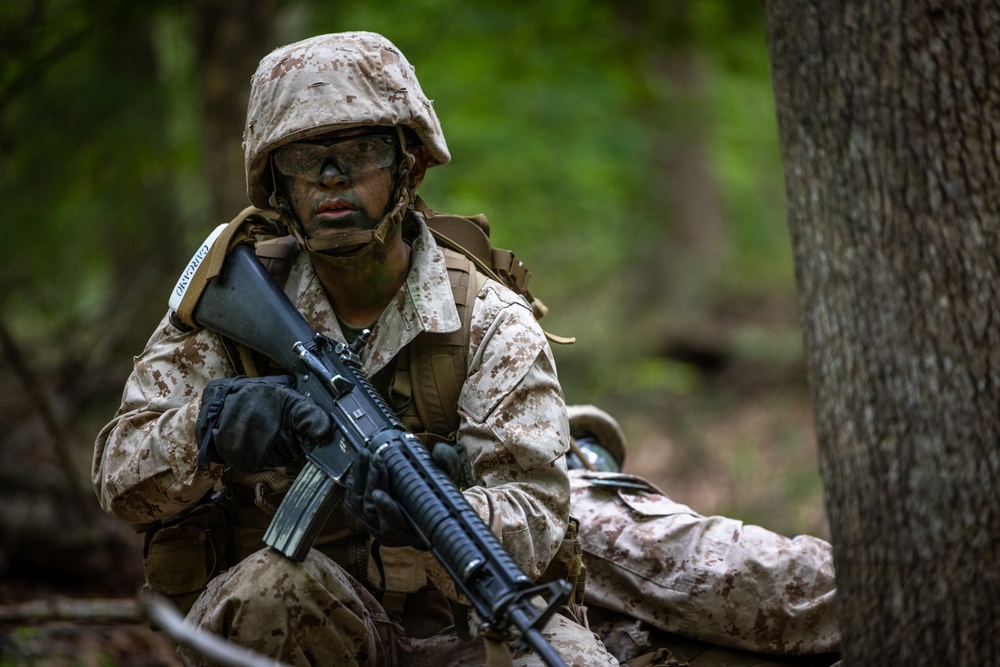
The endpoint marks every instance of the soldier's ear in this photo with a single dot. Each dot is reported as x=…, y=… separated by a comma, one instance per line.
x=419, y=168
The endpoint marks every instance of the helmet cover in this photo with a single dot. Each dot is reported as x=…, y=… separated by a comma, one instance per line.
x=591, y=420
x=328, y=83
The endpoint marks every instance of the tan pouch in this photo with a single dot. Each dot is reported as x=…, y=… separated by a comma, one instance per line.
x=182, y=556
x=568, y=564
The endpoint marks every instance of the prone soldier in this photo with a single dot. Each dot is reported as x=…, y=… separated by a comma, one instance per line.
x=711, y=590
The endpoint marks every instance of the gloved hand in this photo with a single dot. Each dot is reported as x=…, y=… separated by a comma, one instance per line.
x=369, y=502
x=450, y=462
x=252, y=423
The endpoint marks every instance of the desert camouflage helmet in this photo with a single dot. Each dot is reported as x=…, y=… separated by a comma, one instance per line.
x=590, y=420
x=328, y=83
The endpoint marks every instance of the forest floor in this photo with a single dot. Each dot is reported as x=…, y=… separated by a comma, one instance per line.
x=740, y=443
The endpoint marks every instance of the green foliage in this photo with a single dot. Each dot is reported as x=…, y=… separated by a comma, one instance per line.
x=657, y=374
x=568, y=121
x=553, y=112
x=536, y=106
x=83, y=163
x=744, y=146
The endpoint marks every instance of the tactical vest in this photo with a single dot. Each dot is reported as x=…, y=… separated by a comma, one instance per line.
x=427, y=408
x=181, y=556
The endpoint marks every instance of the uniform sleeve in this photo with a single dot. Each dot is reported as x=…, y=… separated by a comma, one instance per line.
x=146, y=459
x=725, y=582
x=514, y=427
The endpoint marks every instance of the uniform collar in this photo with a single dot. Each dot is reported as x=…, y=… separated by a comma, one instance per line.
x=425, y=302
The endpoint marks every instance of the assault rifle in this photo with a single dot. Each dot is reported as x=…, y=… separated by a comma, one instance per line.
x=244, y=304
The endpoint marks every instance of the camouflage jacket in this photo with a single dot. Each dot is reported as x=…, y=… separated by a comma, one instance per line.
x=512, y=413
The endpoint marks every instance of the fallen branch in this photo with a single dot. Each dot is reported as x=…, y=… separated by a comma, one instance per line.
x=95, y=611
x=151, y=608
x=208, y=645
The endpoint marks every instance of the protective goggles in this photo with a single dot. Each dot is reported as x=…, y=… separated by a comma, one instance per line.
x=354, y=156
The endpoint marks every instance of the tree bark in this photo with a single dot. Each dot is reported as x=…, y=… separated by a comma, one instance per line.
x=230, y=38
x=888, y=114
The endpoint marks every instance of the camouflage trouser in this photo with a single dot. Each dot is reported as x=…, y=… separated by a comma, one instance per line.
x=314, y=613
x=656, y=566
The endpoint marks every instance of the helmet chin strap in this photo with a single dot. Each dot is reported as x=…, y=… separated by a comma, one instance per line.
x=358, y=243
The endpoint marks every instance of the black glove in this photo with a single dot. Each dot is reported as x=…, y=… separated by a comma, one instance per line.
x=252, y=423
x=369, y=502
x=449, y=460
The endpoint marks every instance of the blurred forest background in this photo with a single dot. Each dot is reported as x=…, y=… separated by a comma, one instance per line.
x=627, y=152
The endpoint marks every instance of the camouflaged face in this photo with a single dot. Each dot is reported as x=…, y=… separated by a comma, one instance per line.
x=711, y=578
x=327, y=83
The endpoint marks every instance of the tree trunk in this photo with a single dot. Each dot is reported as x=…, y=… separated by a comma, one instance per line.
x=230, y=39
x=888, y=114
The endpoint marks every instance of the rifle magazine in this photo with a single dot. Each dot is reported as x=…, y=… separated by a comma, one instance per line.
x=303, y=512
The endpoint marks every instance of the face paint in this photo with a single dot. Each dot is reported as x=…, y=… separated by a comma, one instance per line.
x=339, y=185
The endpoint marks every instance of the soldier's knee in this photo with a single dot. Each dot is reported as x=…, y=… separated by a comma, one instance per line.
x=577, y=645
x=279, y=581
x=302, y=613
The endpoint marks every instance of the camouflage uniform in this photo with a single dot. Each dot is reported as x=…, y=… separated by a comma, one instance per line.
x=656, y=566
x=513, y=426
x=663, y=576
x=513, y=421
